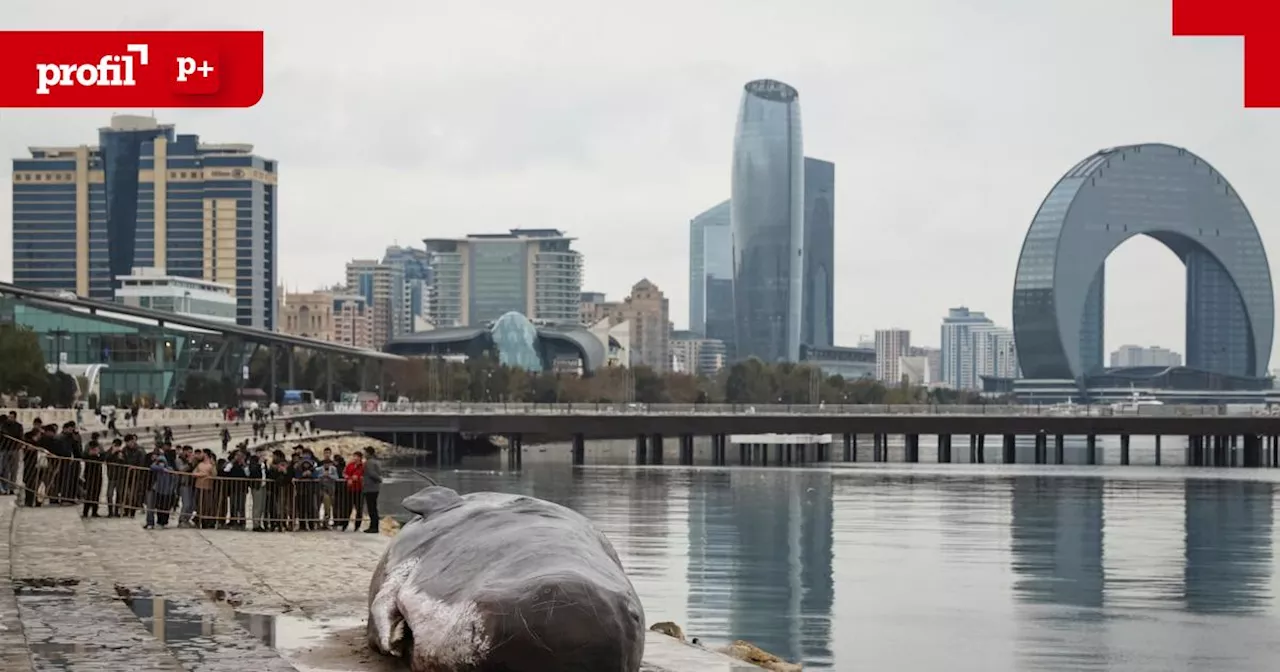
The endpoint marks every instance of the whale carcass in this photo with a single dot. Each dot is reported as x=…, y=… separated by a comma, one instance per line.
x=492, y=582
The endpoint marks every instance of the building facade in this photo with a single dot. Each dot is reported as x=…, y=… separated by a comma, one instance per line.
x=145, y=196
x=767, y=222
x=477, y=279
x=973, y=346
x=711, y=272
x=695, y=354
x=848, y=363
x=648, y=312
x=415, y=265
x=150, y=288
x=383, y=288
x=1135, y=355
x=891, y=346
x=1171, y=195
x=817, y=325
x=339, y=316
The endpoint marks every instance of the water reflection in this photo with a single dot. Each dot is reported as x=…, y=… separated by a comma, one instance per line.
x=938, y=568
x=1228, y=547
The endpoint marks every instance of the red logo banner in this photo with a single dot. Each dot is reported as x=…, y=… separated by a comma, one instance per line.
x=1257, y=21
x=131, y=69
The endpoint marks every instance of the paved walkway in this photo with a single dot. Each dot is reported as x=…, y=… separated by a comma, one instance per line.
x=104, y=595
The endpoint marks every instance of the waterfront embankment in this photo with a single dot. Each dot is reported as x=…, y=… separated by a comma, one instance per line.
x=105, y=594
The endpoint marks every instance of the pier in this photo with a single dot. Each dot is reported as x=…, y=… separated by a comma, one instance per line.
x=988, y=434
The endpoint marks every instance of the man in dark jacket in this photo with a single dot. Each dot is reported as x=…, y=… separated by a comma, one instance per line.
x=10, y=437
x=137, y=474
x=372, y=486
x=93, y=463
x=116, y=476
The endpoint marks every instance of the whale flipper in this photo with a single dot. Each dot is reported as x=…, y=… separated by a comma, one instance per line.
x=432, y=499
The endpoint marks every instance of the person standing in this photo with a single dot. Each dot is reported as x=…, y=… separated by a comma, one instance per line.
x=353, y=474
x=372, y=486
x=93, y=465
x=208, y=505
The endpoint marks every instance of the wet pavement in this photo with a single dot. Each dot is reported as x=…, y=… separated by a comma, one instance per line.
x=101, y=595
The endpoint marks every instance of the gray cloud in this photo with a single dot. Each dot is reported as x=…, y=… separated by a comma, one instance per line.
x=948, y=122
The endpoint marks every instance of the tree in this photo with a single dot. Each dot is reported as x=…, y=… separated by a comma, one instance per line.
x=22, y=364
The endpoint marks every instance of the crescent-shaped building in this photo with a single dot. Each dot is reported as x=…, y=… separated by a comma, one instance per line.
x=1169, y=194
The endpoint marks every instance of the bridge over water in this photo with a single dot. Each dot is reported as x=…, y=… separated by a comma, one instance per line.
x=1213, y=437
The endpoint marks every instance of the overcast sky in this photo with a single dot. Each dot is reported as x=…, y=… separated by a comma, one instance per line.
x=948, y=121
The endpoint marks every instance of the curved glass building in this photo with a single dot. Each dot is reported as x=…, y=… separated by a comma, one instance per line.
x=766, y=216
x=1177, y=198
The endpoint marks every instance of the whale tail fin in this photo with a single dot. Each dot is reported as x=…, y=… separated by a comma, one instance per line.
x=431, y=500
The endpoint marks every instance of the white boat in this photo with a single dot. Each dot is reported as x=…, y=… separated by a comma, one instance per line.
x=1135, y=403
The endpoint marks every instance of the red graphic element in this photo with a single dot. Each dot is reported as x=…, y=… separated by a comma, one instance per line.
x=197, y=75
x=1257, y=21
x=120, y=69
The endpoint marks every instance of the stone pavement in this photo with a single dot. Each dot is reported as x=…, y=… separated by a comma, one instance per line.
x=103, y=595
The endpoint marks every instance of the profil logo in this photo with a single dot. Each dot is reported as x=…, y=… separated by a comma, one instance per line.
x=131, y=69
x=1257, y=21
x=112, y=70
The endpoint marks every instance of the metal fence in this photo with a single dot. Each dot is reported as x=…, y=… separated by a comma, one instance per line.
x=120, y=486
x=465, y=408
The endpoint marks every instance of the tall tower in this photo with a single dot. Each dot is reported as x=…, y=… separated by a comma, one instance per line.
x=767, y=221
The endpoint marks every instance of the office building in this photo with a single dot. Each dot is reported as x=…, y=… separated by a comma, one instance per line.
x=383, y=288
x=711, y=274
x=415, y=265
x=767, y=220
x=150, y=288
x=147, y=197
x=848, y=363
x=477, y=279
x=817, y=320
x=891, y=346
x=696, y=354
x=1136, y=355
x=1175, y=197
x=339, y=316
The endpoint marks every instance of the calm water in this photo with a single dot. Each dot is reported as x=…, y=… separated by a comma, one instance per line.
x=958, y=567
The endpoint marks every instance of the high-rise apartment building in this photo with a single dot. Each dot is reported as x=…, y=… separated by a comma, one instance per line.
x=817, y=319
x=383, y=288
x=337, y=316
x=648, y=312
x=767, y=219
x=1136, y=355
x=891, y=346
x=477, y=279
x=711, y=274
x=145, y=196
x=973, y=347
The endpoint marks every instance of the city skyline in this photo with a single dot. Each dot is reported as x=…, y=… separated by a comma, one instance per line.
x=938, y=179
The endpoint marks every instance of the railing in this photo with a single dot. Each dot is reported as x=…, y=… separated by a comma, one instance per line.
x=513, y=408
x=122, y=487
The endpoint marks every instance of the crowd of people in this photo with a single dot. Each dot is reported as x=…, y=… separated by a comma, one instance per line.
x=248, y=489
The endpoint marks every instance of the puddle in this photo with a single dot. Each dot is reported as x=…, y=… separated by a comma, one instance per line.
x=198, y=631
x=321, y=644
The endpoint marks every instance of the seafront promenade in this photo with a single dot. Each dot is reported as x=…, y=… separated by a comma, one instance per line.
x=104, y=594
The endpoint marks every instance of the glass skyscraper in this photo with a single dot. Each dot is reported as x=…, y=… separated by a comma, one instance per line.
x=711, y=274
x=147, y=197
x=767, y=220
x=817, y=326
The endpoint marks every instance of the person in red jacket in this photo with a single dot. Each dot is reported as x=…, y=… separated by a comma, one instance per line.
x=353, y=474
